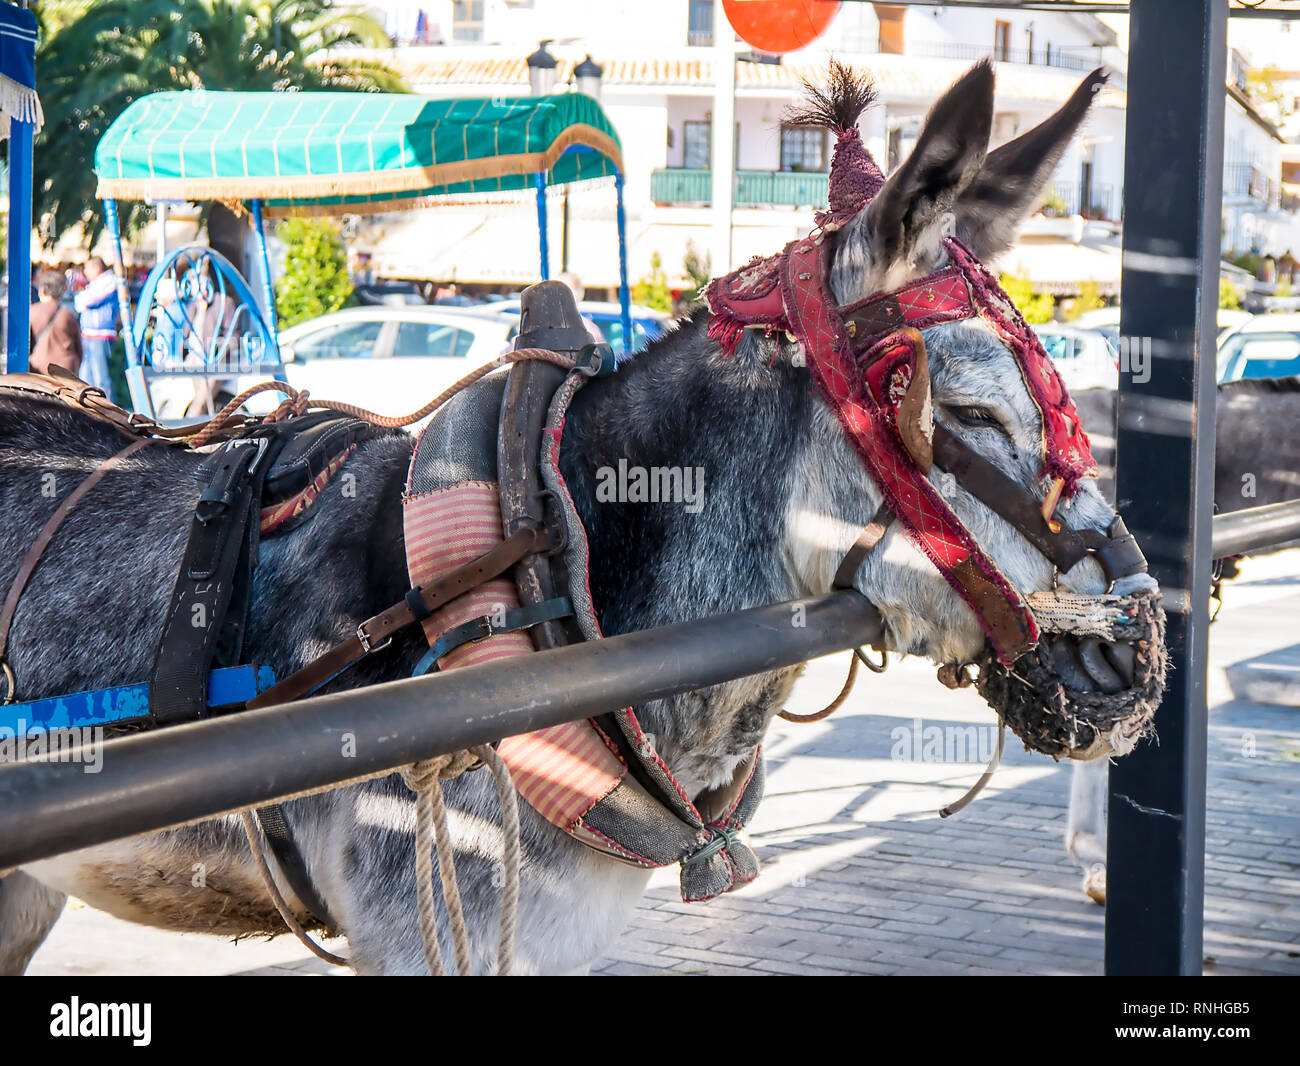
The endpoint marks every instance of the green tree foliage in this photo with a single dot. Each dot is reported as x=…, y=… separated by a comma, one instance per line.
x=1089, y=299
x=697, y=269
x=97, y=56
x=1036, y=307
x=1229, y=295
x=652, y=290
x=315, y=279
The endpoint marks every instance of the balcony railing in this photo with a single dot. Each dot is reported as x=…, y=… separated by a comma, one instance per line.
x=1041, y=57
x=752, y=188
x=1246, y=180
x=1101, y=202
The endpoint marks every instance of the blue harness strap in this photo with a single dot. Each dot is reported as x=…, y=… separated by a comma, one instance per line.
x=110, y=706
x=483, y=627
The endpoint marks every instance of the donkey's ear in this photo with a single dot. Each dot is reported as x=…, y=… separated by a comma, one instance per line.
x=905, y=214
x=1008, y=185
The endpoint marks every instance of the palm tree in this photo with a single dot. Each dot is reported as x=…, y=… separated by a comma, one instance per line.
x=98, y=56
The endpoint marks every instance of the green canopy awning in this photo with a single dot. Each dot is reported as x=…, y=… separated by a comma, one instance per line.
x=348, y=152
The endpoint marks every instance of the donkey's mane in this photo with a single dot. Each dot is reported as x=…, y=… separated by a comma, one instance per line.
x=839, y=103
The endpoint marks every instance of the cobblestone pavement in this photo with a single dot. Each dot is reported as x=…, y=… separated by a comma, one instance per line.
x=861, y=876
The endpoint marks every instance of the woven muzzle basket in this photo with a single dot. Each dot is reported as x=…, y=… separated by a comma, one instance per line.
x=1034, y=701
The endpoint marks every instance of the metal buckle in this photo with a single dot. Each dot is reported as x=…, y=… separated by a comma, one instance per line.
x=364, y=637
x=600, y=359
x=260, y=442
x=484, y=622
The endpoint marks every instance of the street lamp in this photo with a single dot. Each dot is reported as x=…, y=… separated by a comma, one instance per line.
x=541, y=70
x=588, y=74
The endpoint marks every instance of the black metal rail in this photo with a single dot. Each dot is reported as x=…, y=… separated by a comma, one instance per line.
x=195, y=771
x=1254, y=528
x=187, y=772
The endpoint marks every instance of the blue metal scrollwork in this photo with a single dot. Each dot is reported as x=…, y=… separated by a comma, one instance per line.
x=197, y=315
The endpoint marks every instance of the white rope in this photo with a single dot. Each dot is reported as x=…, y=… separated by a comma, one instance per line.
x=425, y=780
x=431, y=831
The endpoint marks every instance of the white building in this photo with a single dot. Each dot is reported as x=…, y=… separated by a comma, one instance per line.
x=658, y=89
x=1260, y=169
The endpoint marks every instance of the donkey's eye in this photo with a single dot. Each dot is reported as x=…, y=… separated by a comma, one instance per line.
x=976, y=416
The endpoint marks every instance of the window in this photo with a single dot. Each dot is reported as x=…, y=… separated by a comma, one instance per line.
x=467, y=20
x=1002, y=41
x=1260, y=355
x=890, y=18
x=1059, y=346
x=803, y=148
x=696, y=145
x=431, y=339
x=699, y=27
x=356, y=340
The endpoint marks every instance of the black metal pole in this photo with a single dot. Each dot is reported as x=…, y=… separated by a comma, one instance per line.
x=1173, y=170
x=184, y=773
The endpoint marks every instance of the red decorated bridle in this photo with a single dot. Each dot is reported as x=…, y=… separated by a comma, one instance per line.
x=869, y=362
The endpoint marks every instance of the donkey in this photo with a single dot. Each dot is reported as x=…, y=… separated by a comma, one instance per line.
x=785, y=497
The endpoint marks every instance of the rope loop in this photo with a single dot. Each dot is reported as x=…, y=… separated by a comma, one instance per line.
x=425, y=779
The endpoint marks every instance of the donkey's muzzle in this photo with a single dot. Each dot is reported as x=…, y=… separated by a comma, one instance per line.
x=1092, y=684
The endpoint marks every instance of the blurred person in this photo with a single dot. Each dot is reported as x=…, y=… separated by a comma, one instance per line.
x=56, y=334
x=579, y=292
x=97, y=305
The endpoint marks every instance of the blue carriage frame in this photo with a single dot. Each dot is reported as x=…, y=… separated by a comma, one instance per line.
x=18, y=34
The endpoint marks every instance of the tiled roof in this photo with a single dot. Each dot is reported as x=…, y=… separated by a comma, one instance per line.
x=428, y=70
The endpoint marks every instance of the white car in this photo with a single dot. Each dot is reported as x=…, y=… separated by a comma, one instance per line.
x=386, y=359
x=647, y=324
x=1106, y=320
x=1083, y=357
x=1265, y=346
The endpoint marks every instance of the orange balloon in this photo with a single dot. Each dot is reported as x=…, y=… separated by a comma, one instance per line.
x=778, y=26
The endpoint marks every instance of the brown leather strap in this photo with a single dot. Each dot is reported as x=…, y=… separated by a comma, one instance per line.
x=1007, y=620
x=1115, y=550
x=871, y=535
x=864, y=323
x=834, y=705
x=61, y=384
x=34, y=554
x=1004, y=497
x=376, y=632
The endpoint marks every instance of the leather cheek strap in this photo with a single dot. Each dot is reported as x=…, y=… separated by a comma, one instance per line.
x=1115, y=550
x=872, y=534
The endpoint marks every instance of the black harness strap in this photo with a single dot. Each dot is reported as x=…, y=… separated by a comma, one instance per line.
x=205, y=625
x=289, y=857
x=209, y=614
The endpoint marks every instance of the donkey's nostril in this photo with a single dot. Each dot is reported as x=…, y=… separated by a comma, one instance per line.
x=1123, y=657
x=1065, y=657
x=1101, y=671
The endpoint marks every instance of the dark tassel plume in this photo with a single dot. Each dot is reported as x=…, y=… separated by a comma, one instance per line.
x=839, y=103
